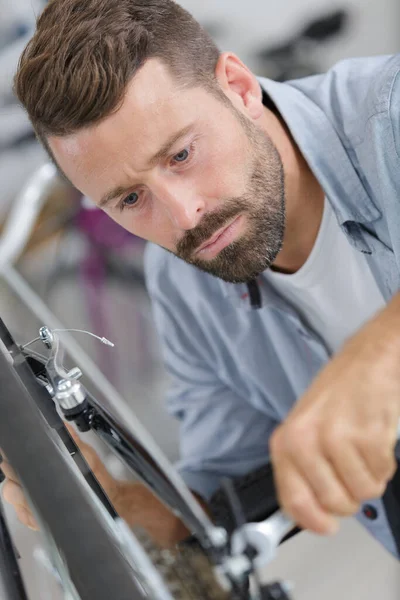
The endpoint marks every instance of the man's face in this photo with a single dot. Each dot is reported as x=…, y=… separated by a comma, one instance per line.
x=183, y=170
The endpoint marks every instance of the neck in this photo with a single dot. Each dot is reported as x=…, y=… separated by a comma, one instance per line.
x=304, y=199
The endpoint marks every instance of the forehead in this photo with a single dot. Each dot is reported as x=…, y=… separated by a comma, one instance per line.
x=154, y=108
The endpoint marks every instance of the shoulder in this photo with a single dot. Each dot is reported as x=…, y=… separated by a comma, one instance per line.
x=356, y=89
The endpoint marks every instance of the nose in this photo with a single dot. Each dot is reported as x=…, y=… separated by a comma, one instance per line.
x=185, y=207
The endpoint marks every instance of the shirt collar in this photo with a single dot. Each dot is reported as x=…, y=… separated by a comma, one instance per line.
x=323, y=150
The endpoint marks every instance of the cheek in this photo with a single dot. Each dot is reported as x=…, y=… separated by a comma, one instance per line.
x=152, y=226
x=225, y=172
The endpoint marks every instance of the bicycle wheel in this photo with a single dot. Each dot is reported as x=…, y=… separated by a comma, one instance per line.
x=81, y=532
x=79, y=529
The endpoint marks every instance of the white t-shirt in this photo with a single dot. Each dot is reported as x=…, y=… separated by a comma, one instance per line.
x=334, y=291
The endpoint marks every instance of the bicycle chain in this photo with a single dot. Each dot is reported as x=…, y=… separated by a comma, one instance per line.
x=187, y=572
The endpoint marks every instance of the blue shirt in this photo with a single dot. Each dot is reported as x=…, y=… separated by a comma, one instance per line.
x=236, y=372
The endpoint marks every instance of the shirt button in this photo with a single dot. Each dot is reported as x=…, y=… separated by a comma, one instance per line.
x=370, y=512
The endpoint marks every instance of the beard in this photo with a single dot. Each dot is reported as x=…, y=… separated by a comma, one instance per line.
x=262, y=205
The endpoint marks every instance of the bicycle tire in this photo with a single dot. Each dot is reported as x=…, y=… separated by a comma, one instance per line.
x=12, y=585
x=96, y=565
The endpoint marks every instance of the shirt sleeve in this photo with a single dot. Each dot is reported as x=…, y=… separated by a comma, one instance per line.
x=221, y=433
x=394, y=106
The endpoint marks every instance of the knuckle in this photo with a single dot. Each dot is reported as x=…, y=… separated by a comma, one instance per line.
x=372, y=489
x=301, y=432
x=378, y=432
x=334, y=438
x=332, y=501
x=373, y=441
x=298, y=504
x=387, y=462
x=340, y=505
x=385, y=471
x=291, y=438
x=294, y=434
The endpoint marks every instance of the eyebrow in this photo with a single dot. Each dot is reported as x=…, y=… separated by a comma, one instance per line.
x=162, y=153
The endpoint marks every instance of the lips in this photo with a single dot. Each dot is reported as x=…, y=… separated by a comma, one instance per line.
x=214, y=238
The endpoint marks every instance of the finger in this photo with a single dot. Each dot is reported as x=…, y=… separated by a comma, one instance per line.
x=9, y=471
x=329, y=489
x=380, y=460
x=13, y=494
x=109, y=484
x=26, y=518
x=355, y=473
x=298, y=500
x=381, y=467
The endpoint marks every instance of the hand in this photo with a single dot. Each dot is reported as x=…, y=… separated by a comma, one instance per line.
x=133, y=501
x=14, y=494
x=336, y=448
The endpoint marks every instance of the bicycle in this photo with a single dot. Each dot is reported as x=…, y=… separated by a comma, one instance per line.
x=34, y=390
x=297, y=56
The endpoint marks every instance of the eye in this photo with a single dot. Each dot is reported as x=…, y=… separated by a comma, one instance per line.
x=181, y=156
x=184, y=158
x=129, y=201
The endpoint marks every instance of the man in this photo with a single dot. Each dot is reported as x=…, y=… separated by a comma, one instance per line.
x=281, y=200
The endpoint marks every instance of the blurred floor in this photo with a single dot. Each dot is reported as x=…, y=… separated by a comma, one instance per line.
x=349, y=566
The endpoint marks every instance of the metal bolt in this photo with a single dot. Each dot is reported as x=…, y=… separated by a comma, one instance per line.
x=238, y=567
x=47, y=337
x=50, y=389
x=70, y=394
x=218, y=537
x=75, y=373
x=64, y=385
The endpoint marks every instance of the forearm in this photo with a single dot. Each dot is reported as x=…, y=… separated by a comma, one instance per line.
x=139, y=507
x=336, y=447
x=386, y=325
x=378, y=342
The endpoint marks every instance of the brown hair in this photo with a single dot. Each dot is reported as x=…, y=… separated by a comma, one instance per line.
x=75, y=70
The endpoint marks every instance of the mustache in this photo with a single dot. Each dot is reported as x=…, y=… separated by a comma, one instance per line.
x=208, y=226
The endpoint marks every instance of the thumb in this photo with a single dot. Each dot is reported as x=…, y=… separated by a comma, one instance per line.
x=108, y=483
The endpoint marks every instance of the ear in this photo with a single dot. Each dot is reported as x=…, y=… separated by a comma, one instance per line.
x=239, y=84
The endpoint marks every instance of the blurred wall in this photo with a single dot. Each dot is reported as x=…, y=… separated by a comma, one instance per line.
x=247, y=25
